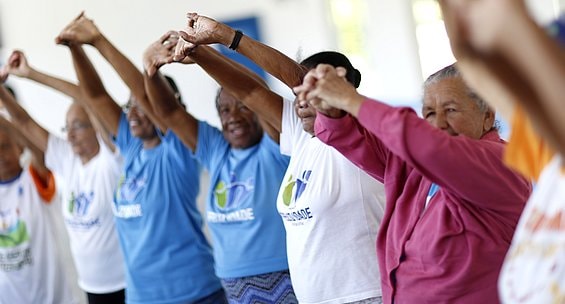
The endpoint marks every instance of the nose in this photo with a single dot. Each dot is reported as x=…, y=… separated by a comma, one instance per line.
x=234, y=116
x=440, y=121
x=70, y=135
x=303, y=104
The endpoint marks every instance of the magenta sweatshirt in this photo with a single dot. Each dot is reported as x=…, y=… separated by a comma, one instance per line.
x=452, y=251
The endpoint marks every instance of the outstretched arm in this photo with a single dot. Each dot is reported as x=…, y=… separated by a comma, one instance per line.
x=505, y=73
x=21, y=119
x=37, y=155
x=240, y=82
x=99, y=102
x=83, y=30
x=161, y=97
x=204, y=30
x=19, y=66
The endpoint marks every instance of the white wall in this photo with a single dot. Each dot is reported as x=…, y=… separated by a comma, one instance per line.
x=32, y=25
x=295, y=27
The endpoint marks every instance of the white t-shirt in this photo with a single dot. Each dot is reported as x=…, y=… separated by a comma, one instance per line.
x=30, y=269
x=534, y=268
x=87, y=211
x=331, y=211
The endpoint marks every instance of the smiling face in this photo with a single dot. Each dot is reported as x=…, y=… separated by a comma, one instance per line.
x=449, y=106
x=80, y=132
x=240, y=125
x=139, y=123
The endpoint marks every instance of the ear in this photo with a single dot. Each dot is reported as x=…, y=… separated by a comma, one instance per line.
x=488, y=121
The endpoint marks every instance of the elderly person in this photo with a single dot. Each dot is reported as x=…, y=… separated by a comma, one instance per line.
x=527, y=74
x=331, y=226
x=90, y=170
x=246, y=170
x=31, y=269
x=167, y=257
x=452, y=205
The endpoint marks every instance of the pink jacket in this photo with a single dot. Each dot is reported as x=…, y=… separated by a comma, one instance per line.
x=453, y=251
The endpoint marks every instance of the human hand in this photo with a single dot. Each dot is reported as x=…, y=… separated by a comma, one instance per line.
x=204, y=30
x=81, y=30
x=481, y=26
x=17, y=65
x=160, y=52
x=183, y=49
x=326, y=89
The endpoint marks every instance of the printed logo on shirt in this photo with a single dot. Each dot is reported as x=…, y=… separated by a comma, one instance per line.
x=291, y=193
x=13, y=231
x=79, y=204
x=534, y=266
x=14, y=241
x=78, y=209
x=297, y=187
x=230, y=196
x=127, y=191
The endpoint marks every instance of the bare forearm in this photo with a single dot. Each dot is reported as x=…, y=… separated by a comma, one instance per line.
x=542, y=63
x=63, y=86
x=271, y=60
x=274, y=62
x=97, y=100
x=160, y=102
x=88, y=78
x=17, y=113
x=129, y=73
x=169, y=112
x=242, y=83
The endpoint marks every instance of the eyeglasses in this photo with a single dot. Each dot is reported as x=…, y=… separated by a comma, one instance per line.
x=76, y=127
x=129, y=106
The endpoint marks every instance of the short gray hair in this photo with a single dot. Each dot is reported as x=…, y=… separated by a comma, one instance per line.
x=451, y=71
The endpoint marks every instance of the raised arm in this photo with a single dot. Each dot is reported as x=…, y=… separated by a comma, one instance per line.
x=37, y=155
x=19, y=66
x=204, y=30
x=20, y=118
x=528, y=72
x=240, y=82
x=99, y=102
x=160, y=94
x=83, y=30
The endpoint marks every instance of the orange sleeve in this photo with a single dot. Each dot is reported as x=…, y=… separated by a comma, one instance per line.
x=46, y=190
x=526, y=152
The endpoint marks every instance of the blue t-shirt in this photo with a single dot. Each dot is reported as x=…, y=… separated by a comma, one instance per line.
x=168, y=259
x=248, y=233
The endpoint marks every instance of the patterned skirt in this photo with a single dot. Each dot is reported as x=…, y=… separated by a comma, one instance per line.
x=268, y=288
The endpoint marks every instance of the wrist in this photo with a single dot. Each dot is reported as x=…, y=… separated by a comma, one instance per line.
x=227, y=36
x=353, y=105
x=236, y=39
x=31, y=73
x=98, y=40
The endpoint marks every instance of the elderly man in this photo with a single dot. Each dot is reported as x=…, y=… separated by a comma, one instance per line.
x=452, y=204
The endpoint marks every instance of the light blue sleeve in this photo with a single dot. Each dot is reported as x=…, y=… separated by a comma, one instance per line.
x=210, y=146
x=123, y=137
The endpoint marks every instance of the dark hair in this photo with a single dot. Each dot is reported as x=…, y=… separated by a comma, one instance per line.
x=337, y=60
x=218, y=93
x=175, y=88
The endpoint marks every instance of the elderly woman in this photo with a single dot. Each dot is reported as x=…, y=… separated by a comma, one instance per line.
x=452, y=205
x=534, y=267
